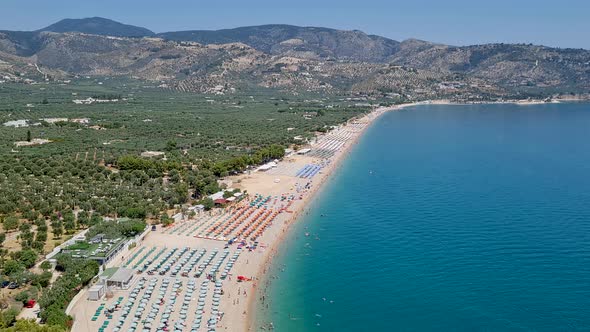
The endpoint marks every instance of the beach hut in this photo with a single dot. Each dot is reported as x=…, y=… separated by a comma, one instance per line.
x=96, y=292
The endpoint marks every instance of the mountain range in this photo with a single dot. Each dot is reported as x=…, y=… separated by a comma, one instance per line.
x=292, y=58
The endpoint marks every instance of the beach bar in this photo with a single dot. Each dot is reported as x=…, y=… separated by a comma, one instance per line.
x=121, y=279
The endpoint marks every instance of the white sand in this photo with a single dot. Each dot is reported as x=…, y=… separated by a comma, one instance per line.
x=237, y=303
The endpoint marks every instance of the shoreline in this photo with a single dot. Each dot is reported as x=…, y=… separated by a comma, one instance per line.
x=294, y=182
x=249, y=324
x=250, y=321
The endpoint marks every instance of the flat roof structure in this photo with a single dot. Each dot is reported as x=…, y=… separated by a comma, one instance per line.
x=121, y=278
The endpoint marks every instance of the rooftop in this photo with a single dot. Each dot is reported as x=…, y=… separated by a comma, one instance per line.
x=122, y=275
x=108, y=273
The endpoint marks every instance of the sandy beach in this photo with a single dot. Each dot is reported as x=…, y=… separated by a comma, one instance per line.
x=276, y=198
x=262, y=181
x=274, y=238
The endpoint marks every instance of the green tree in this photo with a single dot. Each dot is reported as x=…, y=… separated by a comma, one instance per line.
x=10, y=223
x=38, y=245
x=208, y=203
x=95, y=219
x=83, y=219
x=41, y=280
x=11, y=267
x=8, y=317
x=77, y=273
x=56, y=316
x=165, y=219
x=170, y=145
x=23, y=296
x=30, y=325
x=181, y=191
x=27, y=257
x=57, y=228
x=29, y=136
x=45, y=266
x=69, y=222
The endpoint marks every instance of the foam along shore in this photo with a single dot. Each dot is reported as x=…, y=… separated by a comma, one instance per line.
x=203, y=272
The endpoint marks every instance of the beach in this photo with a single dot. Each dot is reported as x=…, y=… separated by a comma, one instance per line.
x=415, y=228
x=276, y=198
x=276, y=235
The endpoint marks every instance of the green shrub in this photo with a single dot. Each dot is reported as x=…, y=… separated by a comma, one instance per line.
x=8, y=317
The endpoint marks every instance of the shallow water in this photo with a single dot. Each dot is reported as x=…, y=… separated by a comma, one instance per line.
x=447, y=218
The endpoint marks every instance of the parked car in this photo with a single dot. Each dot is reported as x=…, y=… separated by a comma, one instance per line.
x=13, y=285
x=4, y=283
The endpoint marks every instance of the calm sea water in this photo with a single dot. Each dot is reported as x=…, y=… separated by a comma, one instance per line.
x=447, y=218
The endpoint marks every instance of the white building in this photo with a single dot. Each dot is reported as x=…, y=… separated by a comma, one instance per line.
x=303, y=151
x=217, y=195
x=178, y=217
x=16, y=123
x=96, y=292
x=121, y=279
x=81, y=120
x=267, y=166
x=55, y=120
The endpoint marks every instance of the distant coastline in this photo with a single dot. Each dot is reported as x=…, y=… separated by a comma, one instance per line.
x=528, y=101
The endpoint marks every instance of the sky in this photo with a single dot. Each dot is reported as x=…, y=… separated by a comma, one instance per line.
x=564, y=23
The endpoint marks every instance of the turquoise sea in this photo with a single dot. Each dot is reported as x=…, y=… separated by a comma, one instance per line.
x=447, y=218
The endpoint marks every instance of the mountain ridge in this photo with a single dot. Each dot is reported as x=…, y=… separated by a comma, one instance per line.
x=98, y=26
x=291, y=57
x=280, y=38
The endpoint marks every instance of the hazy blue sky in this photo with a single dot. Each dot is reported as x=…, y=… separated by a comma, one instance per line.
x=564, y=23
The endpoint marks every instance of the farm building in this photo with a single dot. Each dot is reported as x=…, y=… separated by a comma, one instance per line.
x=16, y=123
